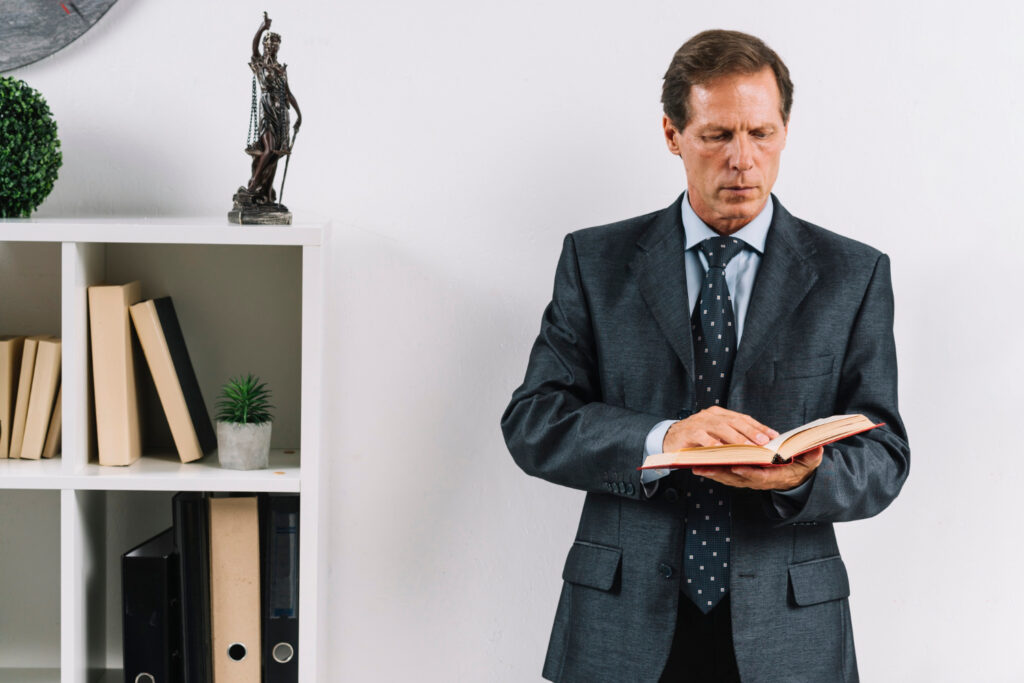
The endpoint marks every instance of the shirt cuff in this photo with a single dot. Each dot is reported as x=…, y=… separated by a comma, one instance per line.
x=654, y=444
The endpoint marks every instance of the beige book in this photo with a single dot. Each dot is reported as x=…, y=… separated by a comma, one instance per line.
x=779, y=451
x=10, y=363
x=53, y=433
x=118, y=436
x=235, y=589
x=28, y=366
x=164, y=347
x=45, y=378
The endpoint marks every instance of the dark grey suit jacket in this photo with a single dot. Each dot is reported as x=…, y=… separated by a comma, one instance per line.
x=614, y=357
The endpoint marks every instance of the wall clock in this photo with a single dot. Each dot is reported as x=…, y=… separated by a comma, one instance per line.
x=33, y=29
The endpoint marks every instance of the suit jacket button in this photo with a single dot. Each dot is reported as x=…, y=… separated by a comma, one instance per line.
x=620, y=487
x=665, y=570
x=671, y=495
x=629, y=488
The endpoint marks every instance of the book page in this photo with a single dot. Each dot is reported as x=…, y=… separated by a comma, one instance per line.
x=825, y=431
x=775, y=444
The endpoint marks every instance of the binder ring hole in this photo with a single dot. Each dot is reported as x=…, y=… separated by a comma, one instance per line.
x=283, y=653
x=145, y=678
x=237, y=651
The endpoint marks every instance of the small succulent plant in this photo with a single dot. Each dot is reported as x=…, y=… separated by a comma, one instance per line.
x=244, y=400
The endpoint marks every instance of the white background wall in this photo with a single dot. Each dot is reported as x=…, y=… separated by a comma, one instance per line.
x=454, y=143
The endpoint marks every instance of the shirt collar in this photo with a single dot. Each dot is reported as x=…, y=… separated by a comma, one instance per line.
x=754, y=233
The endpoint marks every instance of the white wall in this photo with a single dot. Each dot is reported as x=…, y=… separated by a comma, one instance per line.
x=453, y=143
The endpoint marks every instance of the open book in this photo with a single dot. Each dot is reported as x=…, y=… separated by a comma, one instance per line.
x=778, y=451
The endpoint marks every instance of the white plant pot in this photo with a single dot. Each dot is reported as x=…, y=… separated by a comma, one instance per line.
x=243, y=446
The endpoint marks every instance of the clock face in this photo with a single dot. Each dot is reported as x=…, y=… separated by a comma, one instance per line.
x=33, y=29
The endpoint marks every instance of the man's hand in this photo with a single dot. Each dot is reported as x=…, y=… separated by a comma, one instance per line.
x=766, y=478
x=715, y=426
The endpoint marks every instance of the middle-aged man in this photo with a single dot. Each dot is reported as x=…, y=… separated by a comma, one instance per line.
x=721, y=319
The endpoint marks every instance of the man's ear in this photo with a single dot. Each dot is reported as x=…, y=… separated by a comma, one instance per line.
x=673, y=136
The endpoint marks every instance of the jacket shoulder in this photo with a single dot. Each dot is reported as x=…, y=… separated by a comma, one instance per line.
x=613, y=240
x=830, y=246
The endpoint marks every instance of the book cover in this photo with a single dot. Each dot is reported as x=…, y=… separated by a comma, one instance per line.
x=45, y=379
x=279, y=521
x=167, y=356
x=118, y=435
x=192, y=539
x=25, y=373
x=151, y=612
x=10, y=364
x=235, y=589
x=52, y=444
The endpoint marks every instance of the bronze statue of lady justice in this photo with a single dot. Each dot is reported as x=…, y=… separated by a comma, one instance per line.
x=269, y=136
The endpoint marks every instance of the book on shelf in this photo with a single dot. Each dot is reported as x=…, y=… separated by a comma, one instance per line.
x=151, y=613
x=167, y=356
x=190, y=511
x=118, y=435
x=52, y=444
x=10, y=363
x=779, y=451
x=45, y=379
x=279, y=550
x=25, y=373
x=235, y=589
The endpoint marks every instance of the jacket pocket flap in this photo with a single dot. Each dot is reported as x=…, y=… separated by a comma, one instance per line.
x=792, y=368
x=819, y=580
x=592, y=565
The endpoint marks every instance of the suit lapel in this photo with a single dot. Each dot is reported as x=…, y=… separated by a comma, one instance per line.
x=660, y=268
x=784, y=278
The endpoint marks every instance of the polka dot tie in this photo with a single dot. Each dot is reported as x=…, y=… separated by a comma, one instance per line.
x=707, y=524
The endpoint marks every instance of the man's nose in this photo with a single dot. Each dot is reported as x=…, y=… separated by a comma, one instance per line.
x=741, y=153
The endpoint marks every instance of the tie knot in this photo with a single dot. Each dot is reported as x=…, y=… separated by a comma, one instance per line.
x=720, y=250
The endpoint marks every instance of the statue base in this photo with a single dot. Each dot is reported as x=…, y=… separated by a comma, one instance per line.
x=247, y=212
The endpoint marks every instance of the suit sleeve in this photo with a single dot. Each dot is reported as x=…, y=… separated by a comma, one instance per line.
x=556, y=425
x=861, y=475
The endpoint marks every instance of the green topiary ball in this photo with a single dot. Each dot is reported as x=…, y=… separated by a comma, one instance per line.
x=29, y=149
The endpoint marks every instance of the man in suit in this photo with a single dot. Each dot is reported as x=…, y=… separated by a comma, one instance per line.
x=721, y=319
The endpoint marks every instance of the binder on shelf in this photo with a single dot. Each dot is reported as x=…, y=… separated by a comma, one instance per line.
x=235, y=589
x=118, y=436
x=280, y=587
x=151, y=613
x=164, y=347
x=192, y=539
x=28, y=366
x=52, y=444
x=10, y=364
x=45, y=379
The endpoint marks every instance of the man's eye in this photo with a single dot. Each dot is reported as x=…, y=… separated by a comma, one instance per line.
x=760, y=134
x=716, y=138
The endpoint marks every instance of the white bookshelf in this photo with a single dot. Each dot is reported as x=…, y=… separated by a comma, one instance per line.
x=250, y=299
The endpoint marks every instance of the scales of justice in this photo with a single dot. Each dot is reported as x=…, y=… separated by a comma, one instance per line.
x=270, y=135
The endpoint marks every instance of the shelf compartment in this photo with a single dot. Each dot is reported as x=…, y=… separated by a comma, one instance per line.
x=30, y=567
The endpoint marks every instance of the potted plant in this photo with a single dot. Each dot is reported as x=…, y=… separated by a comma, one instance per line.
x=243, y=424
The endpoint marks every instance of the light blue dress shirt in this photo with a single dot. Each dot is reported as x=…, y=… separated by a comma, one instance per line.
x=740, y=274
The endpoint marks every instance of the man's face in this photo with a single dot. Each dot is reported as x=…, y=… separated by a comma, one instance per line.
x=730, y=147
